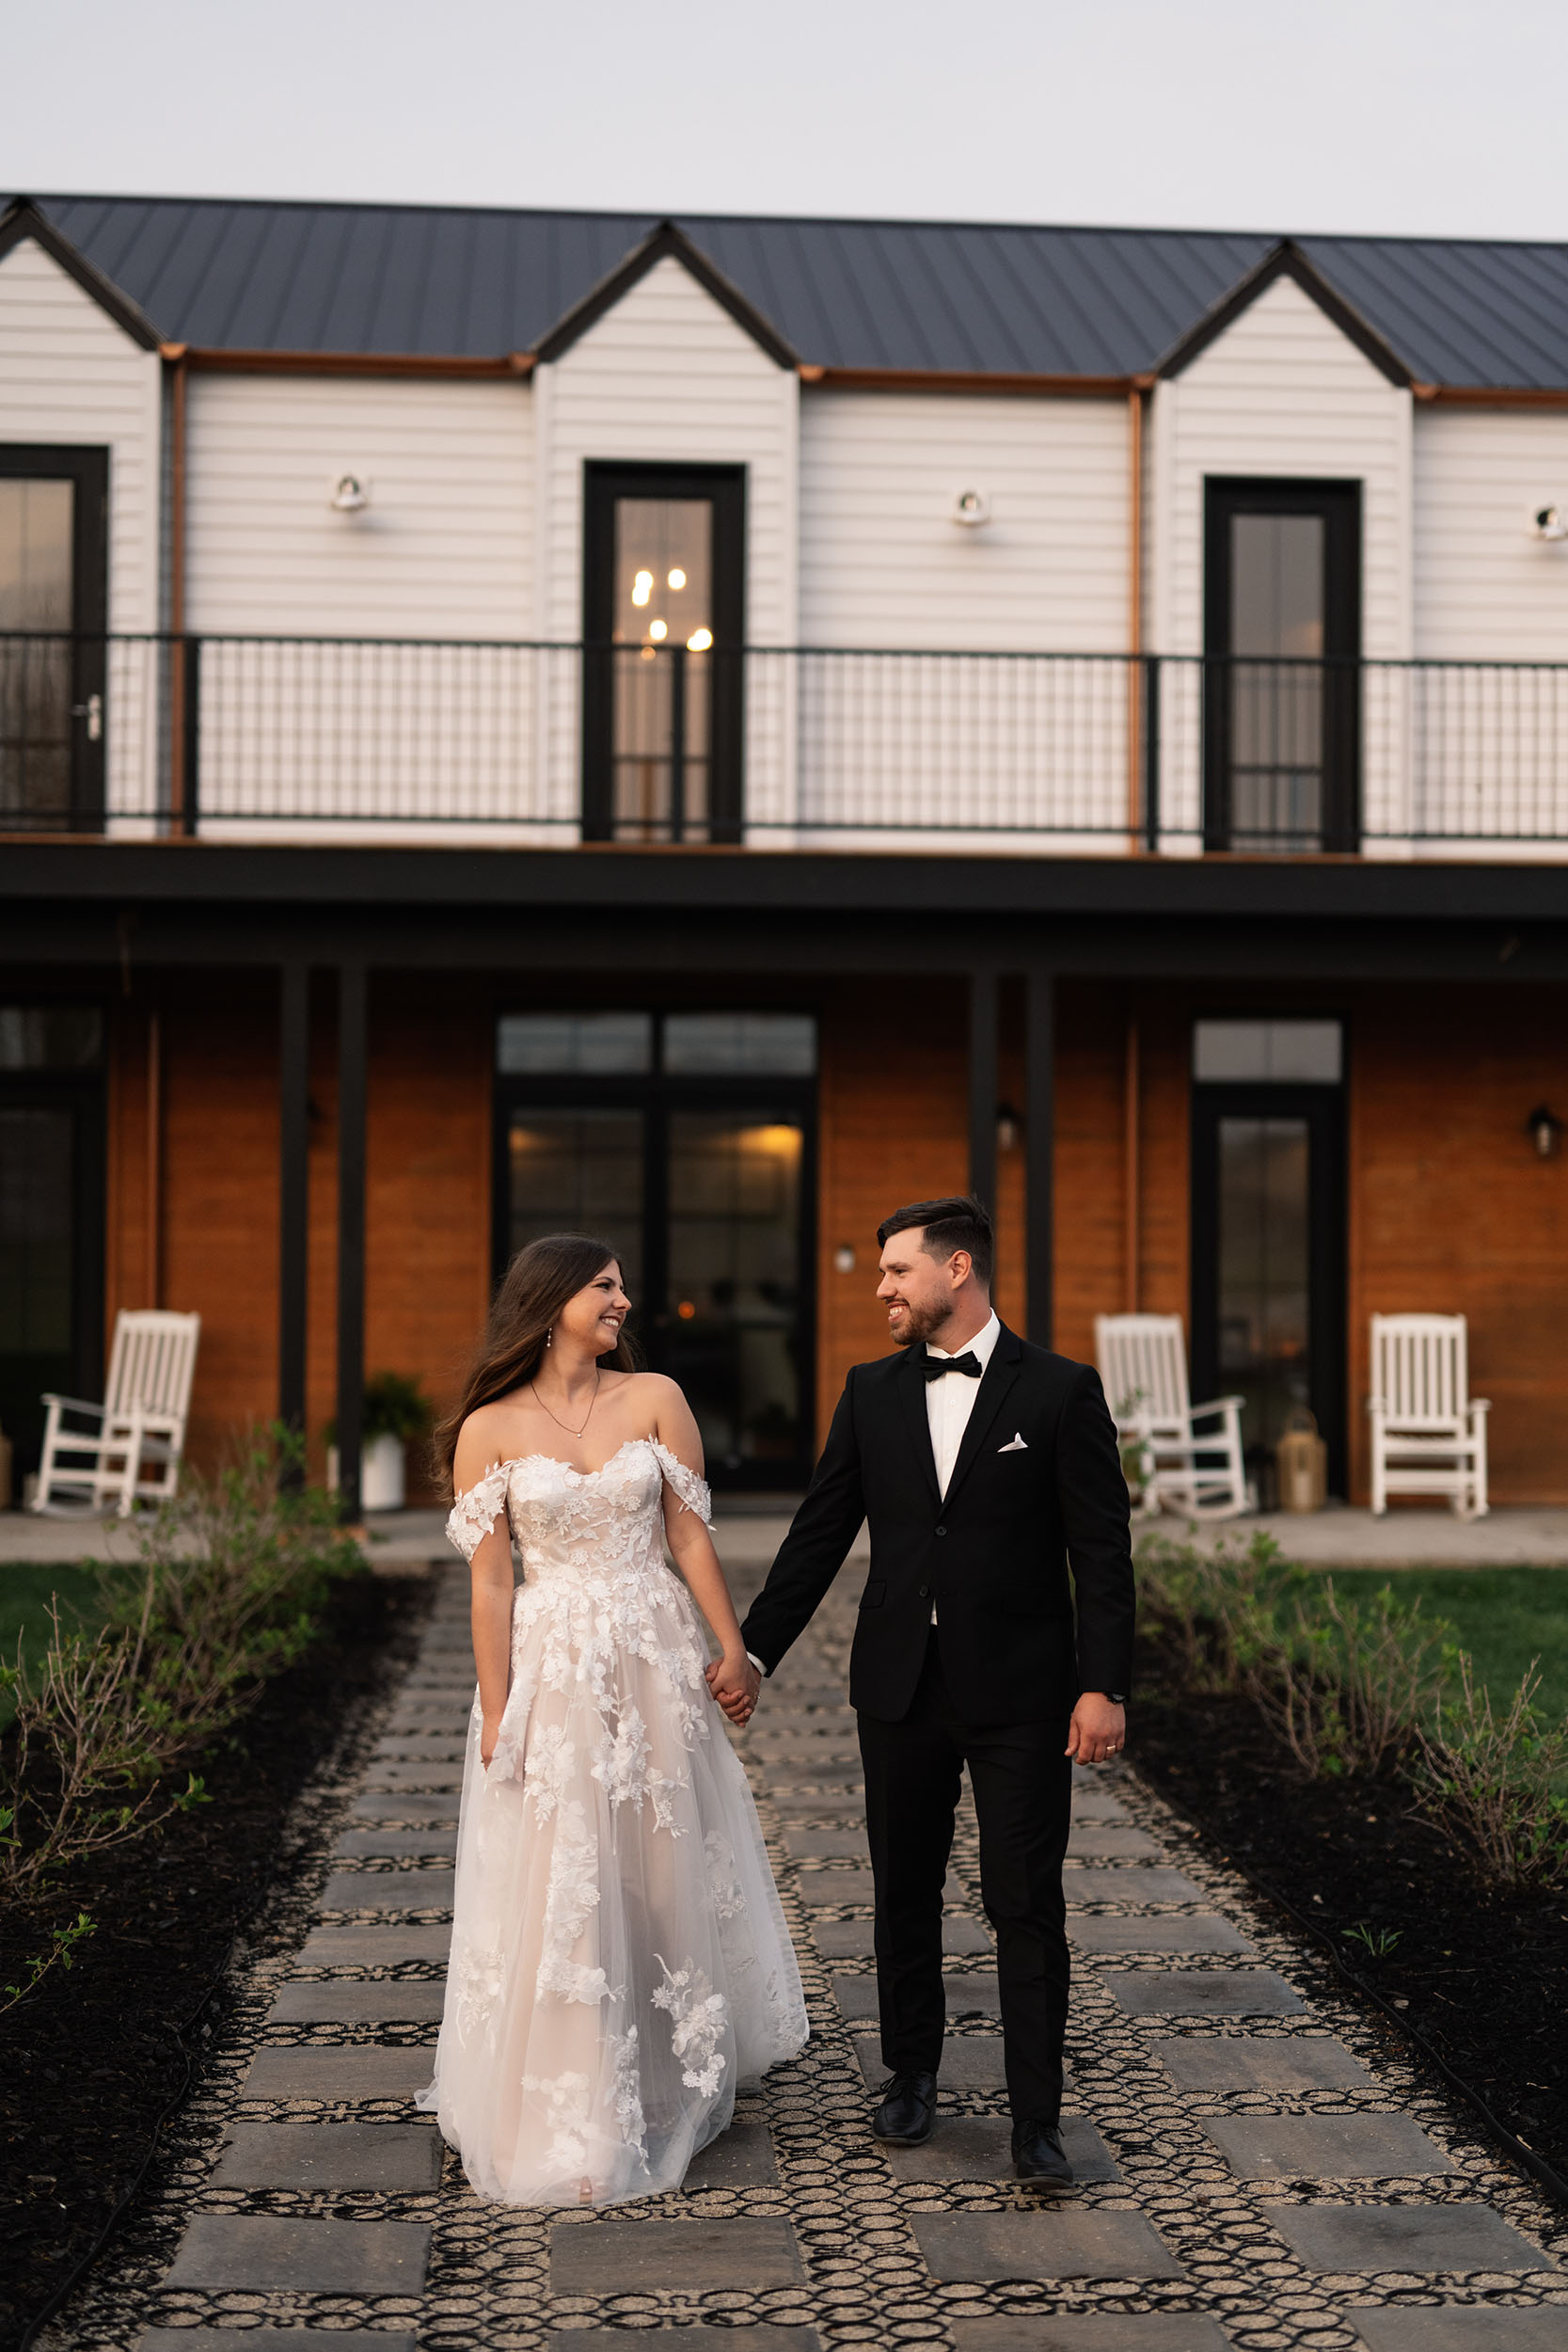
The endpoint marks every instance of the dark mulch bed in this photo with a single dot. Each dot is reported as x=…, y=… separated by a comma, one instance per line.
x=88, y=2061
x=1481, y=1976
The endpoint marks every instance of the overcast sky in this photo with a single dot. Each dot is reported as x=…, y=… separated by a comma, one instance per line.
x=1445, y=118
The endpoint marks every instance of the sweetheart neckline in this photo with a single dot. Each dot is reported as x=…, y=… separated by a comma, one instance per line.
x=516, y=1461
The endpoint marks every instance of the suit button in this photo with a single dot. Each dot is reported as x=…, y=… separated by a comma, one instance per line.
x=942, y=1530
x=925, y=1592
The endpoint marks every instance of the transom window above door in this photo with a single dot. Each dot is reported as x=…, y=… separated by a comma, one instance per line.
x=663, y=624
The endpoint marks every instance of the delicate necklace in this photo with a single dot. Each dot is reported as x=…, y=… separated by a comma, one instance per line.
x=555, y=1416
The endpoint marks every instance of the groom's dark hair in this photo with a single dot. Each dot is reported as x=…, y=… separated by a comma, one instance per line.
x=959, y=1222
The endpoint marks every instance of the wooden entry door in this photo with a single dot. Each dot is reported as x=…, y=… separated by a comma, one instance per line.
x=53, y=649
x=1268, y=1263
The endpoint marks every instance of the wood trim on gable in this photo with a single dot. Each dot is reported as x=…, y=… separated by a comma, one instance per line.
x=414, y=364
x=23, y=221
x=666, y=243
x=1286, y=260
x=940, y=380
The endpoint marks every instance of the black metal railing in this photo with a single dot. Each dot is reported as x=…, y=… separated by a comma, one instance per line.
x=361, y=737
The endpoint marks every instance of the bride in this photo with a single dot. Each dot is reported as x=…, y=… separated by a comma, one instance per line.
x=619, y=1960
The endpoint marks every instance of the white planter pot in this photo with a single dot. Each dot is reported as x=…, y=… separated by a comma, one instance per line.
x=381, y=1474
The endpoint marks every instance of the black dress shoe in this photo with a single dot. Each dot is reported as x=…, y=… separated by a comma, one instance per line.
x=1039, y=2154
x=908, y=2111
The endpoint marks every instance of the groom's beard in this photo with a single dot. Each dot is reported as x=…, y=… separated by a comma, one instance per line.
x=923, y=1323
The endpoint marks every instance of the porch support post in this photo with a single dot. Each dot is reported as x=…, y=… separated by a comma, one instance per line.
x=982, y=1088
x=294, y=1189
x=352, y=1042
x=1039, y=1116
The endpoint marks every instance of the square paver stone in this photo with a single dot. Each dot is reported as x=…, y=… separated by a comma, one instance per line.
x=742, y=2158
x=827, y=1845
x=980, y=2148
x=1460, y=2328
x=970, y=2061
x=1090, y=2331
x=1432, y=2239
x=396, y=1845
x=339, y=2077
x=1238, y=2062
x=235, y=2253
x=664, y=2257
x=285, y=2339
x=827, y=1805
x=355, y=2001
x=433, y=1804
x=420, y=1748
x=972, y=2248
x=1107, y=1841
x=1134, y=1885
x=852, y=1939
x=1159, y=1932
x=794, y=1758
x=388, y=1890
x=375, y=1947
x=1204, y=1992
x=414, y=1776
x=1327, y=2147
x=971, y=1995
x=390, y=2156
x=698, y=2338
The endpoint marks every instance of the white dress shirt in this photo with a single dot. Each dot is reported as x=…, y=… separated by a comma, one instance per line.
x=950, y=1401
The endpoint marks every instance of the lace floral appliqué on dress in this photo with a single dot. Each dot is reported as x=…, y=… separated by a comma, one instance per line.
x=614, y=1824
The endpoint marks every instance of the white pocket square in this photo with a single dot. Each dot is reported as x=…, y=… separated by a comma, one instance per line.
x=1014, y=1445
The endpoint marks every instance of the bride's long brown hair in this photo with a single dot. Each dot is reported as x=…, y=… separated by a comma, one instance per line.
x=531, y=1293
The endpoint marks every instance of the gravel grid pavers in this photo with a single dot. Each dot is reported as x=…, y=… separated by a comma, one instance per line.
x=863, y=2281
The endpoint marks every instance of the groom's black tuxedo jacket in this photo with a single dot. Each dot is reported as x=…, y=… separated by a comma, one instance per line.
x=992, y=1555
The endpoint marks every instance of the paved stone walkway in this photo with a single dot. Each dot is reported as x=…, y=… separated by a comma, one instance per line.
x=1259, y=2165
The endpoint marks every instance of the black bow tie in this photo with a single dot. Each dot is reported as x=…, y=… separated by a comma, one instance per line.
x=934, y=1366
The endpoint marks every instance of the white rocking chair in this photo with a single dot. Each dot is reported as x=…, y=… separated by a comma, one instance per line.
x=1429, y=1432
x=1143, y=1363
x=140, y=1423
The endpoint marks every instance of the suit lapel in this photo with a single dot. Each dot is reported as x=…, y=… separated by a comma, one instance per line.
x=1000, y=1373
x=911, y=1397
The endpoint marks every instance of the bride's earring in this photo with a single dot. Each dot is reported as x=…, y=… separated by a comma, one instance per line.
x=549, y=1338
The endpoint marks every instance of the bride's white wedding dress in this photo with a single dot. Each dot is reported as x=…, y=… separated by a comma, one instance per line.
x=619, y=1958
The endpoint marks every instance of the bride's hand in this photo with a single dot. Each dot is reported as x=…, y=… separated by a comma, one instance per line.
x=489, y=1734
x=734, y=1684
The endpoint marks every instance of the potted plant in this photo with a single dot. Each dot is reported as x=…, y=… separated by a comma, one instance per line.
x=396, y=1409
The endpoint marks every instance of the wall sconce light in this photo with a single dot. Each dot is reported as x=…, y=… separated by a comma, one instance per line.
x=351, y=494
x=1545, y=1130
x=1548, y=522
x=971, y=508
x=1007, y=1127
x=844, y=1258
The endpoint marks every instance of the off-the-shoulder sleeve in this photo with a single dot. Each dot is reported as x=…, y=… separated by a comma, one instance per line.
x=474, y=1514
x=692, y=1491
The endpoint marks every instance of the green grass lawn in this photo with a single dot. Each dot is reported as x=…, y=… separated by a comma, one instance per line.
x=25, y=1587
x=1503, y=1616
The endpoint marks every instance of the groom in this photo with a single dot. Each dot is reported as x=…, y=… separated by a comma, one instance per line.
x=985, y=1466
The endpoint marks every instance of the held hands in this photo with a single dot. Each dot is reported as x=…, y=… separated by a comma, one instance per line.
x=734, y=1684
x=1098, y=1729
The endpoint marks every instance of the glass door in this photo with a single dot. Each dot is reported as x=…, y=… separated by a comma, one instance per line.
x=686, y=1139
x=662, y=627
x=51, y=1216
x=1282, y=636
x=52, y=644
x=1268, y=1263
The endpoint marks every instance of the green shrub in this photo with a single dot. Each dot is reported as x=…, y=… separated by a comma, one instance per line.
x=1491, y=1783
x=395, y=1407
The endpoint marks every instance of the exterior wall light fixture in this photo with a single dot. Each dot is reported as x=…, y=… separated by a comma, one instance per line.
x=1545, y=1130
x=971, y=508
x=1007, y=1127
x=351, y=494
x=844, y=1258
x=1548, y=522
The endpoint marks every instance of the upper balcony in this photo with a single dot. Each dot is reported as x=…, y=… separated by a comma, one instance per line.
x=354, y=739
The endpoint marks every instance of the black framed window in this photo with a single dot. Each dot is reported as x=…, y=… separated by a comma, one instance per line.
x=663, y=627
x=688, y=1141
x=1282, y=637
x=1268, y=1238
x=52, y=1168
x=53, y=508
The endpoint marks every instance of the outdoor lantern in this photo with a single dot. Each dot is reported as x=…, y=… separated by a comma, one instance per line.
x=1007, y=1127
x=1545, y=1130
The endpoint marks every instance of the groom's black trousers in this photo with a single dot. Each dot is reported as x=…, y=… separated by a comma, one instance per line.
x=1023, y=1785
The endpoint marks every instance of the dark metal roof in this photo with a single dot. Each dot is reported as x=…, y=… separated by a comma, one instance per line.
x=961, y=298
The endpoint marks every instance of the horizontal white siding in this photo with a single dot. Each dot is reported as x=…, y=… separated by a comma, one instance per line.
x=69, y=373
x=445, y=548
x=1485, y=589
x=883, y=564
x=667, y=377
